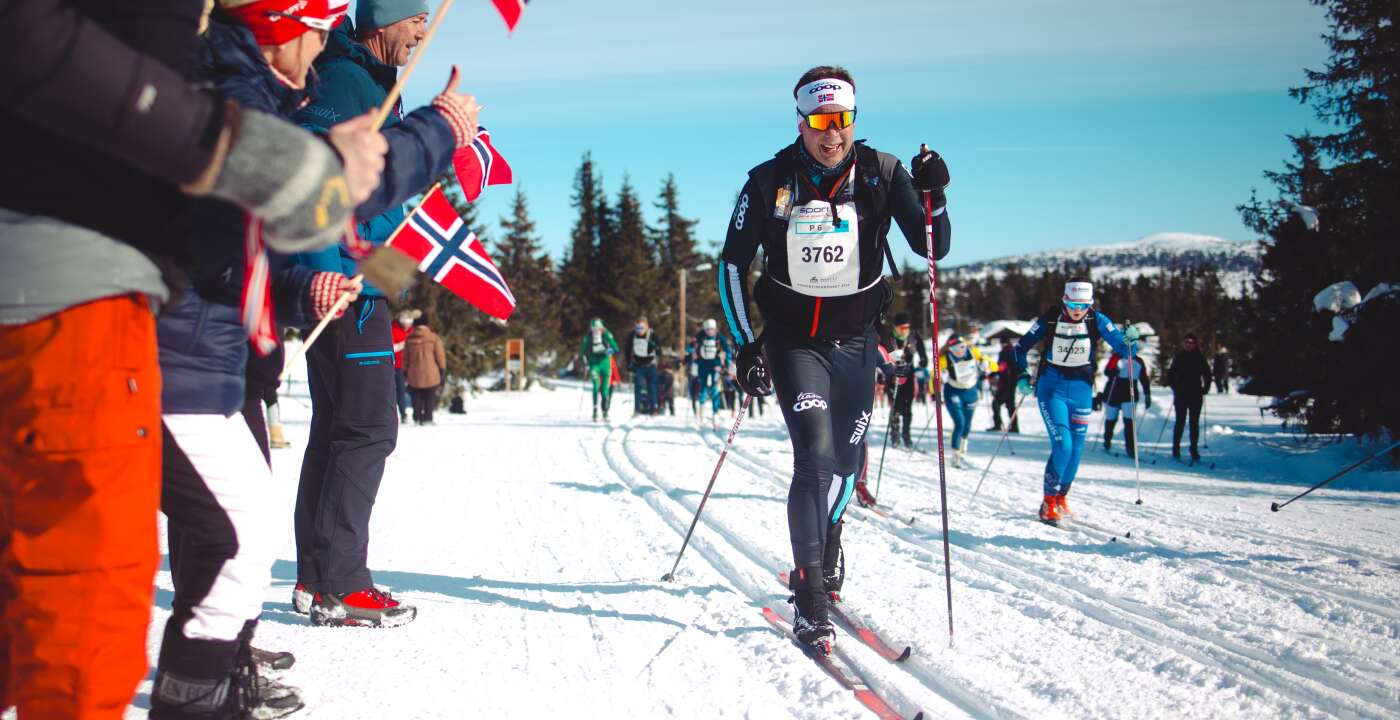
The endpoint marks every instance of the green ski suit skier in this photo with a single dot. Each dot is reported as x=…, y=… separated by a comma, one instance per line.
x=596, y=350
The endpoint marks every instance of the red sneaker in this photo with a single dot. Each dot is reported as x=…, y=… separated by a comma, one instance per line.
x=1049, y=511
x=1062, y=507
x=370, y=607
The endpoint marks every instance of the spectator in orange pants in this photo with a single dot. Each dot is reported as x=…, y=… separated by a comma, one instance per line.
x=79, y=473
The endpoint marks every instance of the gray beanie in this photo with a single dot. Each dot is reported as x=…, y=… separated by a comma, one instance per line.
x=374, y=14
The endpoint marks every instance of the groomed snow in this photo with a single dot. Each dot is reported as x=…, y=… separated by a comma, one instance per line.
x=533, y=540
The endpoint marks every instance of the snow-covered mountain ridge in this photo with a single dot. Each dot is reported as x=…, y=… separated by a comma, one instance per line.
x=1237, y=262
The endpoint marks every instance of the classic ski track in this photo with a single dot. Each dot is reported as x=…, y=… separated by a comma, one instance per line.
x=1189, y=641
x=752, y=585
x=1229, y=567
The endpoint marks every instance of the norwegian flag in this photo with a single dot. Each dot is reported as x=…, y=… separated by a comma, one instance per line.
x=450, y=253
x=479, y=165
x=510, y=11
x=255, y=306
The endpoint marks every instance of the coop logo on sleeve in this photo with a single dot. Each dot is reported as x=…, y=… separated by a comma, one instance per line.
x=807, y=401
x=741, y=211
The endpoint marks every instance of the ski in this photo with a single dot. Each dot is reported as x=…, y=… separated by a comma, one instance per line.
x=839, y=670
x=861, y=630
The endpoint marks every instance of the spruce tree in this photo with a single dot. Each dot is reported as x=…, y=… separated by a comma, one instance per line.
x=577, y=294
x=627, y=274
x=675, y=245
x=1352, y=178
x=530, y=273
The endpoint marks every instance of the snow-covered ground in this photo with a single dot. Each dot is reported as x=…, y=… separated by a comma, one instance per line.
x=533, y=542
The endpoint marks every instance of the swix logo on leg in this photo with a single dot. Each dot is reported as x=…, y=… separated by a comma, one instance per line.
x=862, y=423
x=807, y=401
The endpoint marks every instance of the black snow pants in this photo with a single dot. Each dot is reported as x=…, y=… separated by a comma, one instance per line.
x=354, y=427
x=825, y=390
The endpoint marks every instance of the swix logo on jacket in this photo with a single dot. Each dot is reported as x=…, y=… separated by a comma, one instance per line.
x=807, y=401
x=862, y=423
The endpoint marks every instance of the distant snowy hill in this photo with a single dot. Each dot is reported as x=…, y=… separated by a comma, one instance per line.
x=1237, y=262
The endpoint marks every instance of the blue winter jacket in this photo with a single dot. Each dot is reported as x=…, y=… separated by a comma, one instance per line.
x=349, y=82
x=203, y=344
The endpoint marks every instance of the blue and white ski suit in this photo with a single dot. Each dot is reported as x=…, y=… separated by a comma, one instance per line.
x=1064, y=391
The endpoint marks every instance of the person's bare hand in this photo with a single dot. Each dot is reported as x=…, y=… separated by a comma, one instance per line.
x=362, y=149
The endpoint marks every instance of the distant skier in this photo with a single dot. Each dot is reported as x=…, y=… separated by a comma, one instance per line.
x=1123, y=390
x=1221, y=368
x=1189, y=378
x=642, y=352
x=1066, y=379
x=963, y=369
x=1004, y=390
x=902, y=343
x=596, y=351
x=820, y=210
x=711, y=355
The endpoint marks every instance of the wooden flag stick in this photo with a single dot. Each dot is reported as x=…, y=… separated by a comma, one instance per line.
x=340, y=304
x=412, y=63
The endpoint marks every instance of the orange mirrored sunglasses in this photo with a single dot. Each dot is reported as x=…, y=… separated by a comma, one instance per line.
x=839, y=120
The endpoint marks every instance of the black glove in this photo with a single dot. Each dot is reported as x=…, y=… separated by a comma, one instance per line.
x=929, y=171
x=751, y=370
x=899, y=369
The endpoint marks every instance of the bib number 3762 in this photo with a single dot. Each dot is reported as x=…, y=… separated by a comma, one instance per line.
x=824, y=254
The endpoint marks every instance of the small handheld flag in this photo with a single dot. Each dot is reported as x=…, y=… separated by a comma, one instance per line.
x=510, y=11
x=450, y=253
x=479, y=165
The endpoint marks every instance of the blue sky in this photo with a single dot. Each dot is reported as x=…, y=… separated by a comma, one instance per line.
x=1063, y=123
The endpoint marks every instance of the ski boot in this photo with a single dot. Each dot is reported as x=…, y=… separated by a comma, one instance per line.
x=1049, y=510
x=302, y=597
x=1061, y=506
x=834, y=563
x=1195, y=455
x=809, y=601
x=370, y=607
x=1108, y=427
x=863, y=496
x=595, y=413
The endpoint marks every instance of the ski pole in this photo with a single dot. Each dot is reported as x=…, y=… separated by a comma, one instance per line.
x=938, y=402
x=1171, y=414
x=1132, y=433
x=880, y=472
x=738, y=418
x=993, y=459
x=1205, y=436
x=1279, y=506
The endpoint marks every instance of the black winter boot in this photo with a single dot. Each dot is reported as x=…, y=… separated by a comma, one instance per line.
x=1108, y=427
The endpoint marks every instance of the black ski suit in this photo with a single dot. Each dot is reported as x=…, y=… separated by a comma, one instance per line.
x=1189, y=377
x=821, y=293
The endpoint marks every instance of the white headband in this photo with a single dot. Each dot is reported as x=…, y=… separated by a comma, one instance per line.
x=826, y=91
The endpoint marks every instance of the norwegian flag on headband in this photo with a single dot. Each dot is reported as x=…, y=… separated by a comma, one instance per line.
x=450, y=253
x=510, y=11
x=479, y=165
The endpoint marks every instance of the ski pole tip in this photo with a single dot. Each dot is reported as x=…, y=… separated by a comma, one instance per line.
x=668, y=577
x=1139, y=501
x=1273, y=507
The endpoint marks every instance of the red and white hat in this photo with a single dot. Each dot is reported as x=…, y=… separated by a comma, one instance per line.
x=277, y=22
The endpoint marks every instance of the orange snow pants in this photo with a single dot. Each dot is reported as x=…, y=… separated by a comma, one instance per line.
x=79, y=491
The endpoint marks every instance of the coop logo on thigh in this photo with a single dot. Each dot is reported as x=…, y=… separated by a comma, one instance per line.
x=862, y=423
x=807, y=401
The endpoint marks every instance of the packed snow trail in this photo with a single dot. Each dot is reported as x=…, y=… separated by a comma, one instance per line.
x=533, y=541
